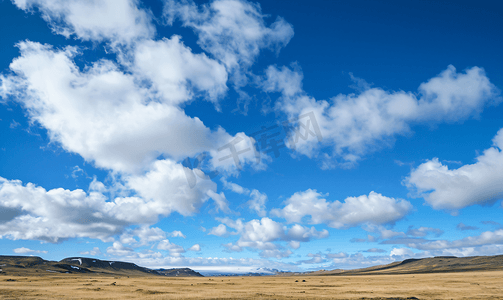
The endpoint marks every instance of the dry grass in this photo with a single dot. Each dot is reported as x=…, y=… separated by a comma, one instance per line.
x=466, y=285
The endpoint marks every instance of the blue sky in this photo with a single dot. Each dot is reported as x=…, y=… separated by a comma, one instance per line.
x=383, y=131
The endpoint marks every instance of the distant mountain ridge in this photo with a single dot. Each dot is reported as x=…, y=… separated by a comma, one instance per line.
x=74, y=265
x=34, y=265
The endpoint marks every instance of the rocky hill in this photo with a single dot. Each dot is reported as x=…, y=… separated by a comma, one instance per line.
x=33, y=265
x=184, y=272
x=439, y=264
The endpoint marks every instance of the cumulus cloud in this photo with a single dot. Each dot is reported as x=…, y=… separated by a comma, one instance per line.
x=257, y=201
x=146, y=235
x=165, y=189
x=115, y=20
x=220, y=230
x=374, y=209
x=176, y=233
x=258, y=234
x=90, y=112
x=95, y=252
x=264, y=233
x=220, y=201
x=478, y=183
x=232, y=31
x=355, y=124
x=174, y=250
x=118, y=249
x=401, y=252
x=381, y=233
x=24, y=250
x=176, y=73
x=111, y=119
x=57, y=214
x=285, y=80
x=195, y=248
x=122, y=116
x=60, y=214
x=304, y=234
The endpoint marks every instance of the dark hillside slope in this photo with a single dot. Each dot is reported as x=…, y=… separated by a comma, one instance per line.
x=33, y=265
x=439, y=264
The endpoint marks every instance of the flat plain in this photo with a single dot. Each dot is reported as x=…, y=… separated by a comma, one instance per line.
x=459, y=285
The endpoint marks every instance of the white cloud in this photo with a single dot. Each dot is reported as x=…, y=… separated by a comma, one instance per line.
x=236, y=188
x=257, y=203
x=220, y=201
x=165, y=189
x=146, y=235
x=315, y=259
x=117, y=249
x=284, y=80
x=220, y=230
x=176, y=73
x=374, y=209
x=382, y=231
x=233, y=31
x=304, y=234
x=31, y=212
x=401, y=252
x=478, y=183
x=264, y=235
x=95, y=252
x=174, y=250
x=195, y=248
x=294, y=244
x=24, y=250
x=176, y=233
x=108, y=114
x=356, y=124
x=261, y=232
x=57, y=214
x=90, y=112
x=235, y=152
x=116, y=20
x=232, y=247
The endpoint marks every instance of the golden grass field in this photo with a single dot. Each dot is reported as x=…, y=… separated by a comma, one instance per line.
x=463, y=285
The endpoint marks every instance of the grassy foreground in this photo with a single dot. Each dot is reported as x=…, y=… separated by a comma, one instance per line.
x=465, y=285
